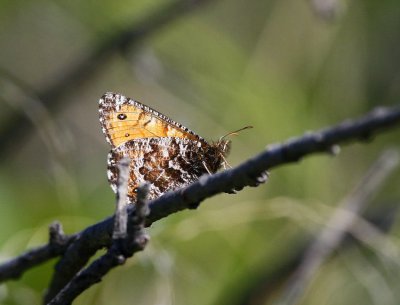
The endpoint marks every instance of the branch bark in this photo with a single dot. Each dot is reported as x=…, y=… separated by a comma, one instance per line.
x=14, y=268
x=84, y=244
x=252, y=172
x=128, y=238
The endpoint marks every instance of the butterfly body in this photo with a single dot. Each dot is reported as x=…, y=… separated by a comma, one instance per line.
x=162, y=152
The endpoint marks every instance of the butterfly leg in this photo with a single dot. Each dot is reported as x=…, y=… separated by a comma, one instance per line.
x=225, y=164
x=205, y=166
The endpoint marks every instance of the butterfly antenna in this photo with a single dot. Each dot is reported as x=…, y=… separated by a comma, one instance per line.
x=234, y=133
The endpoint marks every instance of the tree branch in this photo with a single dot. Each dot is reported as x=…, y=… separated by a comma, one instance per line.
x=19, y=126
x=58, y=242
x=128, y=239
x=249, y=173
x=252, y=172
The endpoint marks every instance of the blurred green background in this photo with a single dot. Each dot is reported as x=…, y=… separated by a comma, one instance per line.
x=284, y=67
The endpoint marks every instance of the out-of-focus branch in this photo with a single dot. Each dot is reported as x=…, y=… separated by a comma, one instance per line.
x=328, y=10
x=249, y=173
x=19, y=126
x=345, y=216
x=266, y=280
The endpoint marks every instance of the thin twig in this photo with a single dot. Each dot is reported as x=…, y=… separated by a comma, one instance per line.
x=125, y=244
x=14, y=268
x=121, y=210
x=267, y=279
x=373, y=237
x=345, y=216
x=63, y=274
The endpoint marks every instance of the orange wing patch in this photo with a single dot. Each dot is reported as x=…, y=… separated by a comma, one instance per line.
x=124, y=119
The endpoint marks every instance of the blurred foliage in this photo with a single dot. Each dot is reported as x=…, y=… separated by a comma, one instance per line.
x=281, y=66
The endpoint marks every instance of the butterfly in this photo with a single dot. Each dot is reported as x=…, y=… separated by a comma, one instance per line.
x=162, y=152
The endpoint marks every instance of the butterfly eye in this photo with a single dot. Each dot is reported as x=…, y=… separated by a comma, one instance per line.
x=135, y=190
x=121, y=116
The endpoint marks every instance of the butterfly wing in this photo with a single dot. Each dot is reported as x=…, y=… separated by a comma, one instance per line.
x=162, y=151
x=123, y=119
x=166, y=163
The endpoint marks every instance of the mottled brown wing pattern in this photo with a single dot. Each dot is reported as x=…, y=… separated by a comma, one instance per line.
x=167, y=163
x=162, y=152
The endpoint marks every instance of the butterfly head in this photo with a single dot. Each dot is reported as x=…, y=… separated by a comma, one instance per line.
x=222, y=147
x=214, y=155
